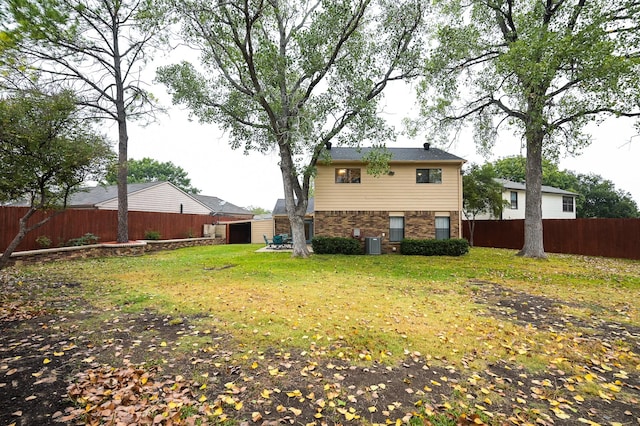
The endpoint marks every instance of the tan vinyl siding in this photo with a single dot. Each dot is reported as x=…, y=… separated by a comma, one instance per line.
x=397, y=192
x=160, y=198
x=260, y=228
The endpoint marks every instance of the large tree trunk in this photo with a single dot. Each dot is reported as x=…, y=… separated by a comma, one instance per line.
x=533, y=236
x=123, y=199
x=296, y=206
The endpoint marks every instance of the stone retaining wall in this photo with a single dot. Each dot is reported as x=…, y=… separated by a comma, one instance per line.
x=134, y=248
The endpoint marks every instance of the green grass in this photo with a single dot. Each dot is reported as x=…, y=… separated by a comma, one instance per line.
x=357, y=307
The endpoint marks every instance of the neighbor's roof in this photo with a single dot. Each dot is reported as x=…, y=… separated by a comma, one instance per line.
x=89, y=197
x=397, y=154
x=220, y=206
x=280, y=208
x=508, y=184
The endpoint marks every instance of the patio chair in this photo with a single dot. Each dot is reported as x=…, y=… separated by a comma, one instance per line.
x=268, y=242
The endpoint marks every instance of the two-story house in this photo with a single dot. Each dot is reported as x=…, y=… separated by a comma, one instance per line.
x=420, y=197
x=556, y=203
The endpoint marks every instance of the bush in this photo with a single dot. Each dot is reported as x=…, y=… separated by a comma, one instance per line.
x=43, y=241
x=152, y=235
x=85, y=240
x=335, y=245
x=452, y=247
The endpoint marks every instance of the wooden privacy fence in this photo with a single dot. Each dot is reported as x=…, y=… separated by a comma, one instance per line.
x=75, y=223
x=591, y=237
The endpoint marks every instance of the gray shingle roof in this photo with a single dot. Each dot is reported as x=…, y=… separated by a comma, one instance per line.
x=98, y=194
x=397, y=154
x=220, y=206
x=508, y=184
x=280, y=208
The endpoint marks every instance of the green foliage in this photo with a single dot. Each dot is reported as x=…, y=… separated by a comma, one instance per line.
x=450, y=247
x=149, y=170
x=152, y=235
x=336, y=245
x=47, y=150
x=85, y=240
x=43, y=241
x=481, y=192
x=599, y=198
x=257, y=210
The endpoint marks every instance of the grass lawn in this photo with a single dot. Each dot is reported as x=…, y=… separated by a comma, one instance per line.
x=486, y=338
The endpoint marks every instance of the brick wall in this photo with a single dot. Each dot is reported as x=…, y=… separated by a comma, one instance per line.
x=418, y=225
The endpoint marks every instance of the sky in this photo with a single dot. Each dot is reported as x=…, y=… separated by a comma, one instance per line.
x=254, y=180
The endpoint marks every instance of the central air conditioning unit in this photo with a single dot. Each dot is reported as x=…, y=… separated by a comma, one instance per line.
x=372, y=245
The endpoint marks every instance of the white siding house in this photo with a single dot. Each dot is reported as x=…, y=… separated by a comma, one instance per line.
x=556, y=203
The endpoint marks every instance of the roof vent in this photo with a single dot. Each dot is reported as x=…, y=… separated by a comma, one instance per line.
x=328, y=145
x=426, y=146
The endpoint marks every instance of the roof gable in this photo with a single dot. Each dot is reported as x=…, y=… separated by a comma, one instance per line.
x=280, y=208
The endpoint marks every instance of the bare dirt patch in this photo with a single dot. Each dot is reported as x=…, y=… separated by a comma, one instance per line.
x=65, y=362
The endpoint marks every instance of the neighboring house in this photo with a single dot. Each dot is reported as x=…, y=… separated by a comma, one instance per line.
x=556, y=203
x=420, y=197
x=223, y=210
x=161, y=197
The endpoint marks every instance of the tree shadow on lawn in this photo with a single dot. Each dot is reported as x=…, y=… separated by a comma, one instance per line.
x=62, y=361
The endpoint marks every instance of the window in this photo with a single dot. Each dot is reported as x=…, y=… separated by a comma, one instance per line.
x=443, y=231
x=347, y=175
x=514, y=200
x=567, y=204
x=428, y=175
x=396, y=229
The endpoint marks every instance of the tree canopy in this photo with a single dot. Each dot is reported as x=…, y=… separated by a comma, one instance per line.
x=293, y=75
x=96, y=47
x=481, y=194
x=150, y=170
x=540, y=69
x=47, y=152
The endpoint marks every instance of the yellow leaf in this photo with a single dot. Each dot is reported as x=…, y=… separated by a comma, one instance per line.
x=163, y=344
x=203, y=387
x=37, y=374
x=560, y=414
x=46, y=361
x=521, y=401
x=349, y=416
x=318, y=415
x=281, y=409
x=238, y=405
x=372, y=409
x=266, y=394
x=202, y=398
x=217, y=411
x=256, y=416
x=589, y=422
x=295, y=411
x=579, y=398
x=58, y=353
x=254, y=366
x=294, y=394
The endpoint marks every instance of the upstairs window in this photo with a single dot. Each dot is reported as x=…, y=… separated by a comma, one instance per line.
x=514, y=200
x=347, y=175
x=428, y=175
x=567, y=204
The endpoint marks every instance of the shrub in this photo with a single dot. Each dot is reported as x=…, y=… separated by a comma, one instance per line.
x=451, y=247
x=43, y=241
x=335, y=245
x=152, y=235
x=85, y=240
